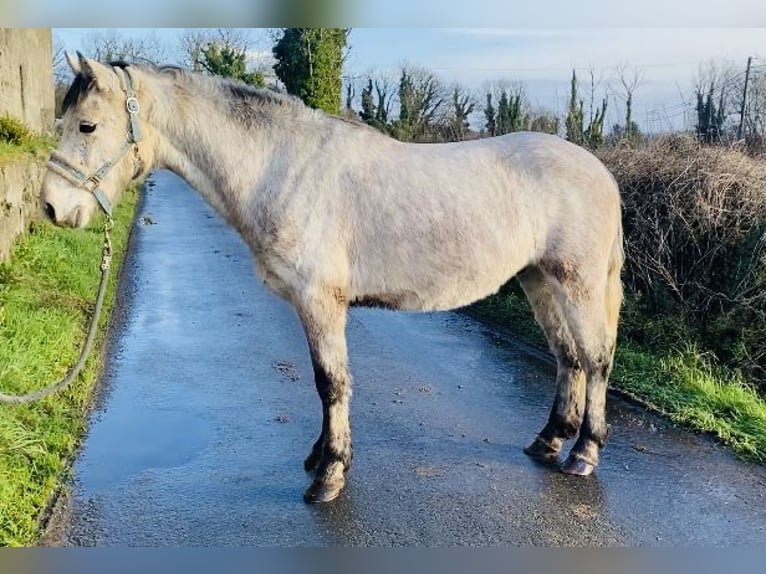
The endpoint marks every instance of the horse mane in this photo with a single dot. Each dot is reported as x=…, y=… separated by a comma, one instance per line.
x=238, y=94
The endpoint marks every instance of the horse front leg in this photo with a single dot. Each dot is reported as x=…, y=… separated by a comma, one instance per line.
x=324, y=321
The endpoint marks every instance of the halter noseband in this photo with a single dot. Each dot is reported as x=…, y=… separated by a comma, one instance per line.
x=61, y=166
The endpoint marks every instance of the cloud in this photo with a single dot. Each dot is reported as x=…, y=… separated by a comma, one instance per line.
x=668, y=58
x=536, y=54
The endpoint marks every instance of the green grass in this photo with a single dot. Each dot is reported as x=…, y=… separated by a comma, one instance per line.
x=46, y=293
x=36, y=146
x=681, y=382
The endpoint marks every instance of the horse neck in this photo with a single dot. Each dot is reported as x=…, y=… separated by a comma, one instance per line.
x=219, y=157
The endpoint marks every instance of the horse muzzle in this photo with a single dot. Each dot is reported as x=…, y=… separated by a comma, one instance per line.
x=63, y=213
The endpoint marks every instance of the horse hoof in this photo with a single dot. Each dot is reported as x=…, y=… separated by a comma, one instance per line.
x=542, y=451
x=577, y=466
x=322, y=492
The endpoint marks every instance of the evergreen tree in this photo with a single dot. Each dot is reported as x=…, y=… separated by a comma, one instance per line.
x=404, y=127
x=368, y=105
x=511, y=115
x=629, y=116
x=594, y=134
x=310, y=63
x=406, y=99
x=710, y=119
x=224, y=60
x=490, y=116
x=515, y=119
x=503, y=114
x=574, y=121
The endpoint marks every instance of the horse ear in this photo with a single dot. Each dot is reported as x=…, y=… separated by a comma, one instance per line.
x=103, y=77
x=74, y=63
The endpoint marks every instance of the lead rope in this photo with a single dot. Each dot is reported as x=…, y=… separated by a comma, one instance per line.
x=106, y=263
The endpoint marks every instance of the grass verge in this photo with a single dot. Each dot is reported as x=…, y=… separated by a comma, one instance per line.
x=46, y=292
x=36, y=146
x=682, y=383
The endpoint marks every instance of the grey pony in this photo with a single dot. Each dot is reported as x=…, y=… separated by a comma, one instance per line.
x=337, y=214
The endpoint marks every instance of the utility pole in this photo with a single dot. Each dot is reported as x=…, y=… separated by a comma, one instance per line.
x=744, y=99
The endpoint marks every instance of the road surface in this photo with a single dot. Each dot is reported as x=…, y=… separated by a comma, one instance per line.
x=208, y=408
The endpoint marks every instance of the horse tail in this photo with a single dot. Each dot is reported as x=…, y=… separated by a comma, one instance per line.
x=614, y=282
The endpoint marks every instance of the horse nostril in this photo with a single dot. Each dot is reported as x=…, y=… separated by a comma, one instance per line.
x=50, y=212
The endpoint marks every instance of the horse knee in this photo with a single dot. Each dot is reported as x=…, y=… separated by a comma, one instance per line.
x=331, y=388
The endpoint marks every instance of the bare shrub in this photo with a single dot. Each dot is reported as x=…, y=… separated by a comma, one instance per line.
x=695, y=238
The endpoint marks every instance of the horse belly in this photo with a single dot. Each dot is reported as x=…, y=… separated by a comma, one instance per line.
x=437, y=276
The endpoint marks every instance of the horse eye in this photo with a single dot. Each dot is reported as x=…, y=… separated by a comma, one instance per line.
x=87, y=127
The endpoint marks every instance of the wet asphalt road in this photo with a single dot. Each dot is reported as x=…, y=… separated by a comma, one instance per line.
x=209, y=408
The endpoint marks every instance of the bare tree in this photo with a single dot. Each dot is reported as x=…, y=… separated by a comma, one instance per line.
x=384, y=96
x=630, y=80
x=112, y=45
x=428, y=94
x=717, y=91
x=191, y=44
x=194, y=41
x=240, y=38
x=62, y=73
x=421, y=104
x=755, y=111
x=542, y=120
x=350, y=82
x=595, y=83
x=106, y=47
x=461, y=106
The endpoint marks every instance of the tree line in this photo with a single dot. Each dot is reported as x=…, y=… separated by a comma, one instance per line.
x=416, y=105
x=419, y=107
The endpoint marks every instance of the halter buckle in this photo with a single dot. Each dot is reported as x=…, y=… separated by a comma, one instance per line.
x=132, y=105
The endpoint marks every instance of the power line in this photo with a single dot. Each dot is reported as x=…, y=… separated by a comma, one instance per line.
x=681, y=108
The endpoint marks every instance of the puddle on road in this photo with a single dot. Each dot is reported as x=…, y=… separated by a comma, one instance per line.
x=126, y=444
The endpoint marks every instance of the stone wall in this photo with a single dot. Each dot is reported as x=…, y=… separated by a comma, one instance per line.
x=26, y=93
x=19, y=199
x=26, y=76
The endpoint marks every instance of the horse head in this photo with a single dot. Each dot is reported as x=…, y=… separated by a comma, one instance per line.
x=102, y=147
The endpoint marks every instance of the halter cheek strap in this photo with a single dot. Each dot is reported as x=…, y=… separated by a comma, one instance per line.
x=60, y=165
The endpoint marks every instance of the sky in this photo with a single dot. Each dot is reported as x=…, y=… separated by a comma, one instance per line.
x=666, y=59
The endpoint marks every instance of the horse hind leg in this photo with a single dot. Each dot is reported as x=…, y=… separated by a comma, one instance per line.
x=593, y=320
x=567, y=410
x=323, y=318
